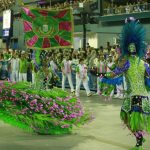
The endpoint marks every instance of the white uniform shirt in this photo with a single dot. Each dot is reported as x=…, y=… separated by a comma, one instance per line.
x=14, y=64
x=66, y=66
x=82, y=71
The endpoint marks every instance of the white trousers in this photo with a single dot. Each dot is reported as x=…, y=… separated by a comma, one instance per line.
x=68, y=75
x=22, y=77
x=14, y=76
x=33, y=77
x=85, y=84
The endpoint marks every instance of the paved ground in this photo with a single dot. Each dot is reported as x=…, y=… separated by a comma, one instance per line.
x=105, y=133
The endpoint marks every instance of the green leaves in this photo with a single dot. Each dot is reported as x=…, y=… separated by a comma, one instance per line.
x=43, y=112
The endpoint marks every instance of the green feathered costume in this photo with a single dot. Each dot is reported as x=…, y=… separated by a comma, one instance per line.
x=135, y=111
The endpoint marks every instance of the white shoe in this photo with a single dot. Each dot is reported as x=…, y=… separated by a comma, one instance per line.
x=90, y=94
x=96, y=93
x=121, y=96
x=116, y=96
x=73, y=92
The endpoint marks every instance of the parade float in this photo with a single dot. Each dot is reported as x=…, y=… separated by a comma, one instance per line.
x=40, y=111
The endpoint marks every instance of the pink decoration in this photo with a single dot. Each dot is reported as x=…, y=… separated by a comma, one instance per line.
x=61, y=41
x=43, y=12
x=27, y=26
x=65, y=26
x=32, y=41
x=61, y=14
x=46, y=43
x=28, y=12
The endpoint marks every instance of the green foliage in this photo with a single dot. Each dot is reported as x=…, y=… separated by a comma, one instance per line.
x=136, y=121
x=43, y=112
x=13, y=120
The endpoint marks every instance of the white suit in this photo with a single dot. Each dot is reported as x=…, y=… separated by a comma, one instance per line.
x=81, y=77
x=14, y=69
x=66, y=73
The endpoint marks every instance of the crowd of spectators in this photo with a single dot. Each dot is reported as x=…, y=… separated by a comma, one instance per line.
x=68, y=3
x=140, y=6
x=97, y=62
x=91, y=57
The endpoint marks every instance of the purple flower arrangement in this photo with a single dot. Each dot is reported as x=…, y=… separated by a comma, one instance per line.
x=45, y=112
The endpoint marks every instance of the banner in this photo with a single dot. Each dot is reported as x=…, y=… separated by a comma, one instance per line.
x=47, y=29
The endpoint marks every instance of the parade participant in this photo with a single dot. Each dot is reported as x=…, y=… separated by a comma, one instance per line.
x=92, y=68
x=59, y=58
x=135, y=111
x=5, y=65
x=75, y=60
x=54, y=70
x=101, y=70
x=82, y=77
x=23, y=65
x=43, y=77
x=53, y=65
x=97, y=64
x=8, y=56
x=110, y=65
x=66, y=73
x=14, y=68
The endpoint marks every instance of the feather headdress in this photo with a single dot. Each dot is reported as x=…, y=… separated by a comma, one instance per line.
x=133, y=32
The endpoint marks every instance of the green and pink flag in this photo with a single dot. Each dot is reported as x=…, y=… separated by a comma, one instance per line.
x=46, y=29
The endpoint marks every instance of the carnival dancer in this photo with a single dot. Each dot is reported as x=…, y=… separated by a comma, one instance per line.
x=82, y=77
x=110, y=66
x=66, y=73
x=121, y=86
x=135, y=111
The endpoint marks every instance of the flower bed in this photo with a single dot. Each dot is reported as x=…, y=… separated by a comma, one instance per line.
x=43, y=112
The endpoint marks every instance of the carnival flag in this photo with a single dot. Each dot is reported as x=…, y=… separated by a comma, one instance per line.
x=46, y=29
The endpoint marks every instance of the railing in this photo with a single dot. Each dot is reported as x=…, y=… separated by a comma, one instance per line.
x=126, y=9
